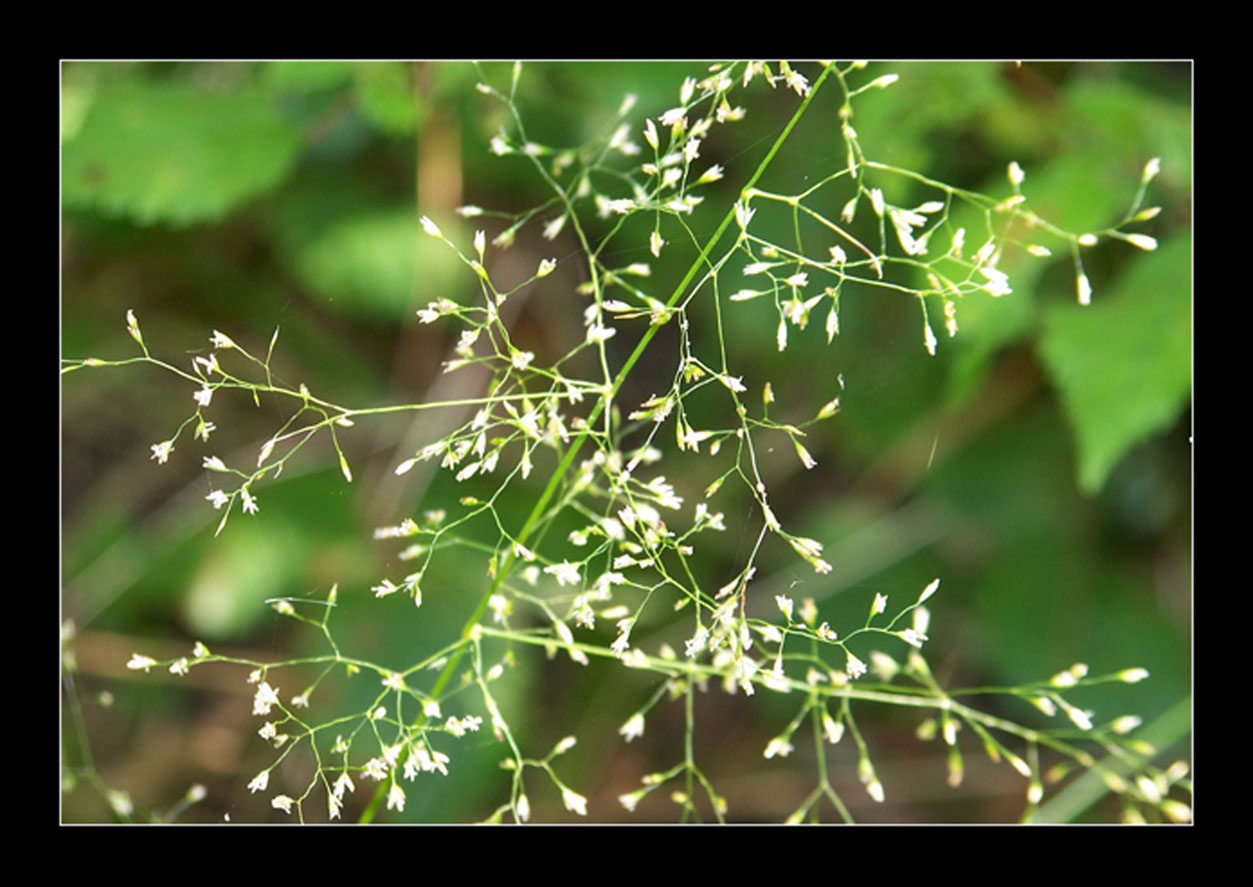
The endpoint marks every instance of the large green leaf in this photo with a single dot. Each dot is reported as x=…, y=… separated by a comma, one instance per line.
x=167, y=152
x=1123, y=367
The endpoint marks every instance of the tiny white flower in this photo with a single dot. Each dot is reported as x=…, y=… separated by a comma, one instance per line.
x=213, y=463
x=1084, y=289
x=221, y=340
x=855, y=667
x=876, y=201
x=1151, y=169
x=913, y=638
x=998, y=282
x=598, y=333
x=672, y=117
x=798, y=83
x=1015, y=174
x=250, y=503
x=546, y=267
x=885, y=81
x=266, y=697
x=431, y=228
x=343, y=782
x=574, y=801
x=121, y=803
x=396, y=798
x=282, y=802
x=928, y=339
x=1125, y=724
x=161, y=452
x=832, y=730
x=209, y=363
x=621, y=206
x=1044, y=704
x=650, y=133
x=553, y=228
x=1081, y=719
x=132, y=327
x=713, y=174
x=1176, y=811
x=622, y=642
x=743, y=215
x=777, y=746
x=1063, y=679
x=203, y=396
x=806, y=459
x=259, y=782
x=565, y=572
x=376, y=769
x=633, y=728
x=138, y=662
x=1143, y=241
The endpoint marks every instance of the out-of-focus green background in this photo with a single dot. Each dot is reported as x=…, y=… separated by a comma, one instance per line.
x=1040, y=463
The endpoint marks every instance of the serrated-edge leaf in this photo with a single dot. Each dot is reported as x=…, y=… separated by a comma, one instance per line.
x=1123, y=367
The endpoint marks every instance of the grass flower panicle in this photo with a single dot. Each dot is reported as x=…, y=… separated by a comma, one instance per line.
x=603, y=553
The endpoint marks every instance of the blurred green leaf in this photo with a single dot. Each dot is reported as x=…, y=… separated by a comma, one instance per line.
x=988, y=324
x=369, y=264
x=386, y=96
x=263, y=561
x=308, y=76
x=899, y=124
x=1123, y=367
x=167, y=152
x=1122, y=120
